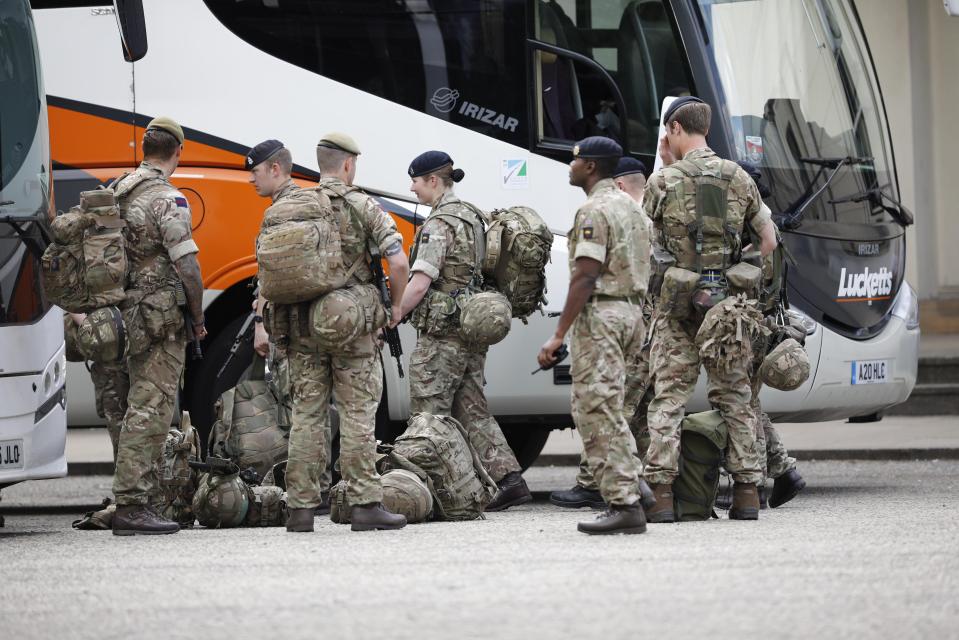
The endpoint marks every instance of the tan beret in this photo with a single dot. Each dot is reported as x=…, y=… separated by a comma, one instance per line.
x=169, y=125
x=339, y=141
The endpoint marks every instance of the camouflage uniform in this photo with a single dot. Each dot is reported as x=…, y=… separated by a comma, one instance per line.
x=158, y=233
x=446, y=375
x=607, y=337
x=669, y=200
x=352, y=376
x=111, y=384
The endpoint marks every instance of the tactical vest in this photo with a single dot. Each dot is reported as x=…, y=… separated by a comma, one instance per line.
x=463, y=264
x=699, y=226
x=150, y=267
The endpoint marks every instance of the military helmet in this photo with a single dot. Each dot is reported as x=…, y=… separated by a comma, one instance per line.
x=221, y=501
x=405, y=493
x=343, y=315
x=786, y=367
x=485, y=318
x=101, y=336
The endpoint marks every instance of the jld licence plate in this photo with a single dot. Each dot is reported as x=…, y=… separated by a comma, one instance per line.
x=11, y=454
x=871, y=371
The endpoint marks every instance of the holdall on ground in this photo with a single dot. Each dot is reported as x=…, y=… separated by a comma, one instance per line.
x=85, y=267
x=485, y=317
x=339, y=505
x=267, y=508
x=298, y=250
x=701, y=449
x=437, y=449
x=340, y=317
x=102, y=336
x=177, y=480
x=252, y=426
x=518, y=244
x=221, y=501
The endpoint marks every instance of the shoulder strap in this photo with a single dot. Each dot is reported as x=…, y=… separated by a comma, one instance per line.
x=479, y=234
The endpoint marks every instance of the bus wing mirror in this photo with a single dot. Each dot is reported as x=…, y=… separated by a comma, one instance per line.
x=133, y=30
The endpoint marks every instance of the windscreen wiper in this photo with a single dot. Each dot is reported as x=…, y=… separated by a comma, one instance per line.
x=792, y=219
x=32, y=243
x=898, y=210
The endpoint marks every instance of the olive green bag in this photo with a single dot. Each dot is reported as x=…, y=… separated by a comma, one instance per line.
x=676, y=295
x=702, y=444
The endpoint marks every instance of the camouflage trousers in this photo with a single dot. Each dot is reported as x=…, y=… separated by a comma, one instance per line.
x=769, y=445
x=606, y=346
x=154, y=380
x=446, y=378
x=354, y=381
x=111, y=385
x=675, y=360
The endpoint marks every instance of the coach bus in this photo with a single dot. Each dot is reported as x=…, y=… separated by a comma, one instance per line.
x=33, y=417
x=506, y=87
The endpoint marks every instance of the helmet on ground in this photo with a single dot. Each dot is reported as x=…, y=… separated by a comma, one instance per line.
x=786, y=367
x=405, y=493
x=221, y=501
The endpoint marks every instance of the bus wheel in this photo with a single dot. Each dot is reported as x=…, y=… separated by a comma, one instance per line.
x=526, y=442
x=872, y=417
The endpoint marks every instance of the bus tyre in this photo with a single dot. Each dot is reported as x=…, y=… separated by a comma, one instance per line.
x=526, y=441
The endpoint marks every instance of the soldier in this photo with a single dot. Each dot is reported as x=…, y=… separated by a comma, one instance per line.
x=352, y=376
x=699, y=179
x=446, y=374
x=270, y=165
x=160, y=251
x=629, y=178
x=609, y=274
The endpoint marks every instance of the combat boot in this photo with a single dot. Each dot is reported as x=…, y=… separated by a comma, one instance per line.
x=662, y=509
x=512, y=492
x=745, y=502
x=618, y=518
x=786, y=487
x=647, y=499
x=578, y=496
x=725, y=498
x=141, y=520
x=300, y=520
x=324, y=507
x=369, y=517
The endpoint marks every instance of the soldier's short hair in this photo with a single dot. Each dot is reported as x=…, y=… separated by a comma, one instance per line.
x=636, y=180
x=693, y=117
x=605, y=167
x=159, y=144
x=283, y=158
x=330, y=160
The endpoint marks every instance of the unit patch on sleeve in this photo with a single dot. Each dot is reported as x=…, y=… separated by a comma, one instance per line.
x=181, y=202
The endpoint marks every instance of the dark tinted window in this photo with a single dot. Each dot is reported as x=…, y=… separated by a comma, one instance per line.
x=458, y=60
x=19, y=87
x=20, y=300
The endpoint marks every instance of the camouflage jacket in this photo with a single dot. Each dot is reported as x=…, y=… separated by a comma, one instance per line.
x=691, y=219
x=611, y=228
x=159, y=226
x=445, y=247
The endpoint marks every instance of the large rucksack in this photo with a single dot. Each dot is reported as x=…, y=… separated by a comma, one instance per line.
x=177, y=480
x=252, y=425
x=85, y=267
x=298, y=251
x=437, y=449
x=518, y=244
x=702, y=444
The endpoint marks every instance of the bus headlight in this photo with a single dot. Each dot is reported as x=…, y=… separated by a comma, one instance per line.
x=808, y=323
x=907, y=306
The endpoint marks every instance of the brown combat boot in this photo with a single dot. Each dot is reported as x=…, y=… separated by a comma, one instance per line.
x=141, y=520
x=301, y=520
x=618, y=518
x=512, y=492
x=662, y=509
x=324, y=507
x=646, y=496
x=745, y=502
x=370, y=517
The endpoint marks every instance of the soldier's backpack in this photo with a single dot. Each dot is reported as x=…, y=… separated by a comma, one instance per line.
x=252, y=426
x=177, y=480
x=404, y=493
x=85, y=267
x=267, y=507
x=438, y=451
x=298, y=250
x=518, y=244
x=701, y=449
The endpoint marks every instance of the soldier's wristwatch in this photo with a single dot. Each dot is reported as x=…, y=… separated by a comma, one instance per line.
x=258, y=319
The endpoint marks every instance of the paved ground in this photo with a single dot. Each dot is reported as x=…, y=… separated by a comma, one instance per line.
x=871, y=549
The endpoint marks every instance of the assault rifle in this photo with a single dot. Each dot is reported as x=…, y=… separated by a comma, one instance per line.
x=245, y=333
x=391, y=336
x=196, y=351
x=224, y=467
x=560, y=355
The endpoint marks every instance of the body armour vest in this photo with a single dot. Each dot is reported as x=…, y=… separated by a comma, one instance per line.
x=464, y=260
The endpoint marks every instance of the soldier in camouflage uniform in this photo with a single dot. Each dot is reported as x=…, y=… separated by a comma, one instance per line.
x=270, y=165
x=629, y=178
x=609, y=275
x=446, y=374
x=353, y=375
x=160, y=251
x=706, y=242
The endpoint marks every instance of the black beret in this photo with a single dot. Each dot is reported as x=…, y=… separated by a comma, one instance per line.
x=627, y=166
x=677, y=103
x=597, y=147
x=261, y=152
x=428, y=162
